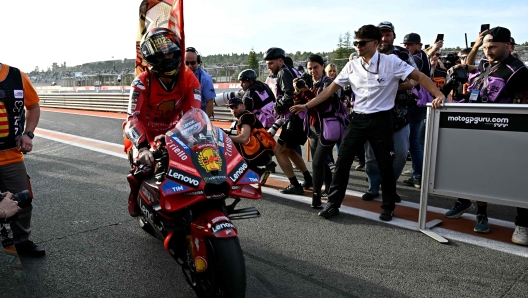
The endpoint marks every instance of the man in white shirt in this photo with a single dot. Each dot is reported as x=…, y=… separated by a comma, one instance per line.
x=374, y=78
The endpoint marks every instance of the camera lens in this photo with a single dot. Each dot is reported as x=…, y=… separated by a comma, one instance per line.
x=23, y=198
x=300, y=83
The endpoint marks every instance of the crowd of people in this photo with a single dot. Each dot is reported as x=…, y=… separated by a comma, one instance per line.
x=375, y=109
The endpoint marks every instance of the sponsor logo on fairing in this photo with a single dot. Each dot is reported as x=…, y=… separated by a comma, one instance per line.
x=222, y=226
x=170, y=187
x=239, y=172
x=184, y=178
x=219, y=218
x=179, y=152
x=229, y=147
x=183, y=167
x=147, y=194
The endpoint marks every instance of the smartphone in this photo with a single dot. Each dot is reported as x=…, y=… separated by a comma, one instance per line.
x=472, y=43
x=484, y=27
x=439, y=37
x=427, y=46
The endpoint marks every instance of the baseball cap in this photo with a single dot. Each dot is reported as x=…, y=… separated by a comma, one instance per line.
x=500, y=34
x=386, y=25
x=234, y=101
x=512, y=41
x=412, y=38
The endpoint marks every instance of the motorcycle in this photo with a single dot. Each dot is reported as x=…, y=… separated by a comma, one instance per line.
x=184, y=204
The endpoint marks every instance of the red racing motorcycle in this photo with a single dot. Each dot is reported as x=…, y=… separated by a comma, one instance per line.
x=184, y=204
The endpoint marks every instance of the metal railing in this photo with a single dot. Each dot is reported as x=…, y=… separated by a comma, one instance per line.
x=107, y=102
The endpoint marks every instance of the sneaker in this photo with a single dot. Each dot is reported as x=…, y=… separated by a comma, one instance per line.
x=458, y=210
x=293, y=190
x=307, y=184
x=413, y=182
x=271, y=166
x=29, y=248
x=332, y=166
x=329, y=210
x=407, y=173
x=360, y=167
x=386, y=215
x=369, y=197
x=520, y=235
x=482, y=225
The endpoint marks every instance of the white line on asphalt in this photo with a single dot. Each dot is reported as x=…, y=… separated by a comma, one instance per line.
x=77, y=144
x=453, y=235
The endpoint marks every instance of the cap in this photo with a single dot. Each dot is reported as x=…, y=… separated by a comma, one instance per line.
x=512, y=41
x=500, y=34
x=412, y=38
x=386, y=25
x=234, y=101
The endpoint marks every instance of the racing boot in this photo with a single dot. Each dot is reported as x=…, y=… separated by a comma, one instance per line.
x=133, y=207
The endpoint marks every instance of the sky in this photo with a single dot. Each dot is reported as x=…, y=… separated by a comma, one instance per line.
x=40, y=32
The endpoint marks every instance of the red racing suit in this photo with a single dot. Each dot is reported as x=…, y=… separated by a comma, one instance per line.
x=153, y=109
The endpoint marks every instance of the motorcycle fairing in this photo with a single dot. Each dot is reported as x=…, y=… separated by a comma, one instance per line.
x=212, y=223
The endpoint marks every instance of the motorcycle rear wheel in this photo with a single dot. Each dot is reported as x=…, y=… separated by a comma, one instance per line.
x=226, y=271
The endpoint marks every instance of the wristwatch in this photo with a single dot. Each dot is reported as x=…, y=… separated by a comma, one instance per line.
x=30, y=134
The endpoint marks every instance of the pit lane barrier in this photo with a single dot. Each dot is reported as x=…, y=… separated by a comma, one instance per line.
x=475, y=152
x=106, y=102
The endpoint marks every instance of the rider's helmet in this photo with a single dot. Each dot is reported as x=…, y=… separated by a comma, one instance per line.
x=247, y=75
x=154, y=45
x=274, y=53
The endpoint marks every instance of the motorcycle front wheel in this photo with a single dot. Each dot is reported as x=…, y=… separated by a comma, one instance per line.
x=226, y=271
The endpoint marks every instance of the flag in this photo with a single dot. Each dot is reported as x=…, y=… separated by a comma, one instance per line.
x=159, y=13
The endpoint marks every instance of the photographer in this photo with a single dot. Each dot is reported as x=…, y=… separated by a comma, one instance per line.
x=458, y=72
x=253, y=142
x=324, y=119
x=292, y=132
x=8, y=207
x=258, y=97
x=499, y=78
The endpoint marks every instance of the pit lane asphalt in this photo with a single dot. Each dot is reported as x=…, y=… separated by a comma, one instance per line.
x=94, y=248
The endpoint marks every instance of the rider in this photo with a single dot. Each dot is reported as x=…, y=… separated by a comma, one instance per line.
x=158, y=97
x=258, y=97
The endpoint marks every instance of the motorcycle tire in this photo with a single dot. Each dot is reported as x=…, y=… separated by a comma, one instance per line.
x=226, y=272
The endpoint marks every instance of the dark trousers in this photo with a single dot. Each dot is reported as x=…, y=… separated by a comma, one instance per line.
x=320, y=170
x=377, y=129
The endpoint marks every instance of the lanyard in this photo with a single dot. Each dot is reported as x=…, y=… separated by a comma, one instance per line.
x=377, y=66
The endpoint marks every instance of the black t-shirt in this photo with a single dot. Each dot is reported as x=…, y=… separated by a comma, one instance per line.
x=249, y=118
x=422, y=62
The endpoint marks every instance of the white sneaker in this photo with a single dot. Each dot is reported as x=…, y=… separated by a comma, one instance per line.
x=407, y=173
x=520, y=236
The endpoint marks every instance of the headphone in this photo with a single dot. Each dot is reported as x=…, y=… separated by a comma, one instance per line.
x=199, y=58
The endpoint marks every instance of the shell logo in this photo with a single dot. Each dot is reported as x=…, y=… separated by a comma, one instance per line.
x=200, y=263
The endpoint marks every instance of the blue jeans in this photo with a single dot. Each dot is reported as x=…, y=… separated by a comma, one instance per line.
x=416, y=147
x=401, y=146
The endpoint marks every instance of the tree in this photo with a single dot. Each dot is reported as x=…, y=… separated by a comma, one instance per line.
x=36, y=69
x=252, y=60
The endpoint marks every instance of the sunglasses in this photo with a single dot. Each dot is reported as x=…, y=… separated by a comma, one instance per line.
x=463, y=57
x=362, y=43
x=190, y=62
